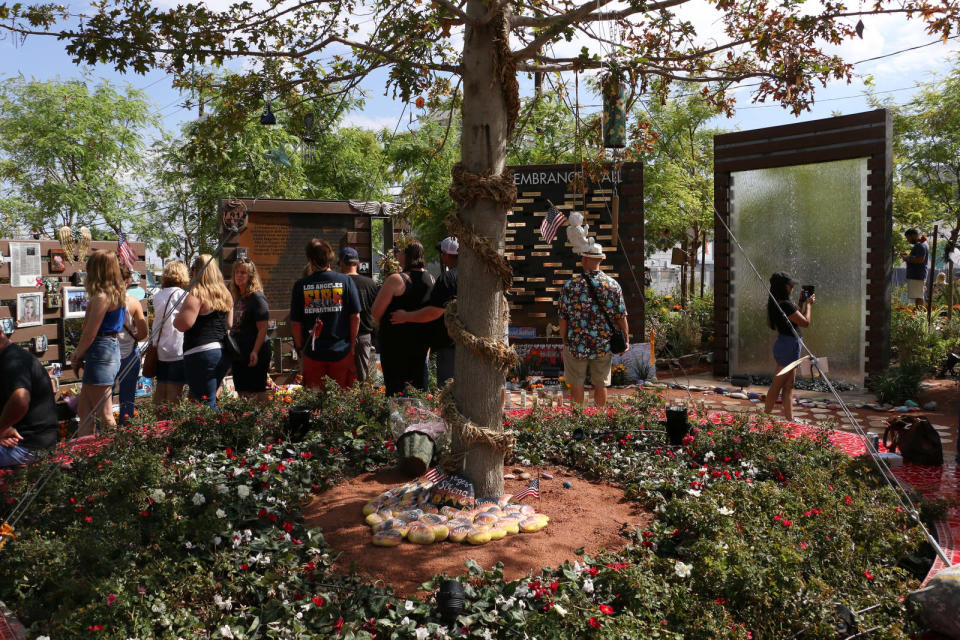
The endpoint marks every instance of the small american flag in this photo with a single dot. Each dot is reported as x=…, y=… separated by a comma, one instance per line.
x=125, y=251
x=434, y=475
x=532, y=489
x=551, y=223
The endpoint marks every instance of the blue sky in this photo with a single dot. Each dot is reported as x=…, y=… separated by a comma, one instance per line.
x=895, y=76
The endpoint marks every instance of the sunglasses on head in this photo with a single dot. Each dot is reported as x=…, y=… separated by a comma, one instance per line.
x=245, y=260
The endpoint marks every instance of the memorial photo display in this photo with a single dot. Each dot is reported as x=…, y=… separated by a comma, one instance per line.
x=75, y=302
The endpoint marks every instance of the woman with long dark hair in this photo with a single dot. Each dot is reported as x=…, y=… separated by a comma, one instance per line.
x=785, y=318
x=403, y=347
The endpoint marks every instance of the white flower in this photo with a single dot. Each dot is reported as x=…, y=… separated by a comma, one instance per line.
x=157, y=495
x=487, y=634
x=188, y=545
x=198, y=499
x=217, y=540
x=243, y=491
x=222, y=488
x=560, y=610
x=221, y=513
x=223, y=605
x=709, y=455
x=588, y=586
x=421, y=633
x=226, y=631
x=508, y=603
x=43, y=638
x=525, y=462
x=694, y=492
x=406, y=620
x=725, y=511
x=682, y=569
x=408, y=605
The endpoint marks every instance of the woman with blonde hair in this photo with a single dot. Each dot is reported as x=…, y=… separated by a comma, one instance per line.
x=204, y=317
x=251, y=315
x=98, y=351
x=168, y=339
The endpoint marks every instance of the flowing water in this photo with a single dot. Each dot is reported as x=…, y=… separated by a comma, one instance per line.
x=810, y=221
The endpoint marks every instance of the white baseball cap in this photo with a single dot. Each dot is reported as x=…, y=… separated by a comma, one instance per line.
x=450, y=246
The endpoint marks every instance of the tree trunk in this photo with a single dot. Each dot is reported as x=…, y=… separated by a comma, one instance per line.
x=480, y=297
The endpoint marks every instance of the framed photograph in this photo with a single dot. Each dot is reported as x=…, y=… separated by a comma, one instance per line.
x=74, y=302
x=241, y=253
x=6, y=325
x=40, y=344
x=29, y=309
x=55, y=370
x=134, y=277
x=54, y=300
x=58, y=260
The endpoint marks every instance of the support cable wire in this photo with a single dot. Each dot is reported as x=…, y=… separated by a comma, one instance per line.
x=901, y=493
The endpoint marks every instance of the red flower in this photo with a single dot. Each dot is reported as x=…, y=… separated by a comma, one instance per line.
x=787, y=523
x=868, y=574
x=803, y=545
x=605, y=608
x=88, y=519
x=847, y=499
x=145, y=513
x=339, y=624
x=595, y=623
x=317, y=600
x=245, y=567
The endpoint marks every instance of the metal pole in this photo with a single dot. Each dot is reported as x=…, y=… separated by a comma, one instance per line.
x=703, y=262
x=933, y=264
x=949, y=291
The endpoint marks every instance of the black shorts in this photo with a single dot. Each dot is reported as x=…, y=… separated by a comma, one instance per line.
x=252, y=379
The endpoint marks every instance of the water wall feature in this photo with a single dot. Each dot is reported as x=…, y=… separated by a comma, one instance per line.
x=809, y=220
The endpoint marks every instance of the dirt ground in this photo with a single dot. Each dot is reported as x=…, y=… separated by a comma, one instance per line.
x=589, y=515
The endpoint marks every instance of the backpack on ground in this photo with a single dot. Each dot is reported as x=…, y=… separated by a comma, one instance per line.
x=915, y=437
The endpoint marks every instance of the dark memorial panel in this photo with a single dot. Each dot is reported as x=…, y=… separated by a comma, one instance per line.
x=278, y=230
x=540, y=269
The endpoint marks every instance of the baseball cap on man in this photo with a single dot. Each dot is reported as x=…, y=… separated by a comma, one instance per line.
x=349, y=254
x=450, y=246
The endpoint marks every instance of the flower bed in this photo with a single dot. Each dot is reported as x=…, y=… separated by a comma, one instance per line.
x=197, y=532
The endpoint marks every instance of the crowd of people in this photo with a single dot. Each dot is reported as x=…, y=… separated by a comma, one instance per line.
x=205, y=327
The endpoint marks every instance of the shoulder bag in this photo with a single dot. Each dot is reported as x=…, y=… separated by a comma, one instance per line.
x=618, y=341
x=150, y=356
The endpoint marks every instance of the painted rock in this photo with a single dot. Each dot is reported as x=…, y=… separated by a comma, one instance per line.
x=739, y=395
x=931, y=406
x=911, y=403
x=548, y=476
x=509, y=476
x=567, y=484
x=387, y=538
x=525, y=476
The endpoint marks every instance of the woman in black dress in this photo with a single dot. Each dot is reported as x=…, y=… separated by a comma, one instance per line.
x=251, y=315
x=403, y=347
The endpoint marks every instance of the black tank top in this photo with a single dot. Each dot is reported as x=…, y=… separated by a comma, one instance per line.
x=414, y=297
x=208, y=328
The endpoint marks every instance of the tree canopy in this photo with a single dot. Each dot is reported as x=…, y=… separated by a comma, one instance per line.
x=71, y=154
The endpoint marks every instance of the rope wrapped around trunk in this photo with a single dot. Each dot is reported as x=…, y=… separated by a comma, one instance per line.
x=469, y=433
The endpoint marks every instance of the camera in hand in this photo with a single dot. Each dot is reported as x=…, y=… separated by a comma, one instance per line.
x=806, y=291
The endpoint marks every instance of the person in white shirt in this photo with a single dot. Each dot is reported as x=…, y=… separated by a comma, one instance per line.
x=167, y=339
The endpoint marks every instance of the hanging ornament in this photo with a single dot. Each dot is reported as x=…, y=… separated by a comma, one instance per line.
x=614, y=112
x=420, y=102
x=859, y=28
x=267, y=117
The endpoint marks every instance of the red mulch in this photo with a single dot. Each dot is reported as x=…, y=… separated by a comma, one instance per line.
x=589, y=515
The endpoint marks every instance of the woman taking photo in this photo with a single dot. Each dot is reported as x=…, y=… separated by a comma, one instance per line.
x=786, y=319
x=204, y=317
x=167, y=339
x=98, y=351
x=403, y=347
x=134, y=330
x=251, y=314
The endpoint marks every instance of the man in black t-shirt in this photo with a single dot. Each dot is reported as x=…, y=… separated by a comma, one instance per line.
x=367, y=290
x=444, y=290
x=324, y=320
x=28, y=421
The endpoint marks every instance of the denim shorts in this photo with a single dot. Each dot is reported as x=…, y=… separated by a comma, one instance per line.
x=786, y=349
x=101, y=362
x=171, y=372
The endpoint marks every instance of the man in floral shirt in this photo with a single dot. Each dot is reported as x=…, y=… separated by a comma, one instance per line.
x=584, y=327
